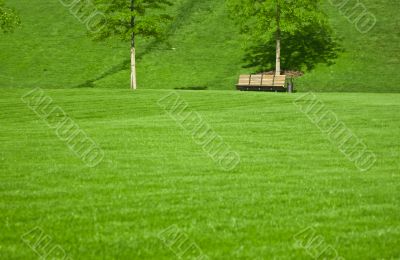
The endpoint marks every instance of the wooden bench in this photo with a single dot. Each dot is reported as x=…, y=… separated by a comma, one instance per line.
x=261, y=82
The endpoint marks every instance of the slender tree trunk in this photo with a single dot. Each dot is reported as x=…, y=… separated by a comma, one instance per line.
x=278, y=56
x=133, y=50
x=278, y=40
x=133, y=68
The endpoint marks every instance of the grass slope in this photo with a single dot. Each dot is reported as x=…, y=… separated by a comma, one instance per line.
x=154, y=175
x=203, y=51
x=370, y=62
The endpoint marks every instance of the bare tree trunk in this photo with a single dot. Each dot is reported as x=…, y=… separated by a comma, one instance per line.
x=133, y=68
x=278, y=41
x=278, y=57
x=133, y=50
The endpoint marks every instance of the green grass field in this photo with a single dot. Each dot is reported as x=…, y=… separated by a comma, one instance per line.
x=153, y=175
x=290, y=178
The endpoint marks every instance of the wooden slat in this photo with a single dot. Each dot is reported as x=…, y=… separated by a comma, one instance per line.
x=244, y=80
x=259, y=80
x=268, y=77
x=267, y=84
x=280, y=78
x=267, y=80
x=279, y=81
x=255, y=80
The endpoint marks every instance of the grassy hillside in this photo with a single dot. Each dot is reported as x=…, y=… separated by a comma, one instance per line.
x=203, y=51
x=153, y=175
x=370, y=61
x=199, y=51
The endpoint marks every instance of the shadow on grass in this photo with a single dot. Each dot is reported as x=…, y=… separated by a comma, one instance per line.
x=184, y=14
x=301, y=51
x=117, y=68
x=192, y=88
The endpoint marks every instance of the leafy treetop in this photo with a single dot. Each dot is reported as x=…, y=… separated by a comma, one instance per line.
x=118, y=18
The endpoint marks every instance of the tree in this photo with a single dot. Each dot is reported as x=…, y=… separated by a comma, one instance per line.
x=128, y=19
x=8, y=18
x=297, y=22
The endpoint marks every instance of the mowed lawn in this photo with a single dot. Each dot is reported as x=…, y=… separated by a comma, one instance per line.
x=154, y=175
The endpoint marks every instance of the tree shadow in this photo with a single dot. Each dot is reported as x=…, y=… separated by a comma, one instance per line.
x=193, y=88
x=300, y=51
x=183, y=15
x=115, y=69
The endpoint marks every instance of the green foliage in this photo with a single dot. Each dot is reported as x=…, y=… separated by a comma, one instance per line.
x=117, y=21
x=259, y=17
x=8, y=18
x=306, y=35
